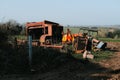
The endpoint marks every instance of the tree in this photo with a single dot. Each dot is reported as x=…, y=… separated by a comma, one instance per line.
x=12, y=27
x=110, y=35
x=7, y=30
x=117, y=33
x=114, y=34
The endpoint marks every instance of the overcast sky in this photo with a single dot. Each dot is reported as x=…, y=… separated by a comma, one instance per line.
x=65, y=12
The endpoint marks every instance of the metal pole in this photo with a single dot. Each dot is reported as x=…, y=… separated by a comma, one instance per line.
x=30, y=49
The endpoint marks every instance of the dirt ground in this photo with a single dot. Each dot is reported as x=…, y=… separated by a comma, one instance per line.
x=79, y=69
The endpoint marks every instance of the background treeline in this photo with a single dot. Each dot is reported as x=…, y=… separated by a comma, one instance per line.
x=103, y=32
x=11, y=27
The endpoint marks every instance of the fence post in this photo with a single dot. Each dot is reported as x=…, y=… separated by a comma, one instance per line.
x=30, y=50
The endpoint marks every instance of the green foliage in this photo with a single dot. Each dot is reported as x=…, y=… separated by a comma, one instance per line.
x=7, y=30
x=23, y=31
x=3, y=36
x=110, y=35
x=46, y=59
x=12, y=27
x=117, y=32
x=78, y=56
x=3, y=39
x=114, y=34
x=15, y=60
x=102, y=32
x=22, y=37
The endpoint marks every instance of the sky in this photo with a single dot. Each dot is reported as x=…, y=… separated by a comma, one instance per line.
x=65, y=12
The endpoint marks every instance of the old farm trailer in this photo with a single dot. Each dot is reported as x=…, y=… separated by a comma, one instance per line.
x=44, y=33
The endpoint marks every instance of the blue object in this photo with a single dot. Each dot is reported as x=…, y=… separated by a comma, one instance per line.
x=100, y=44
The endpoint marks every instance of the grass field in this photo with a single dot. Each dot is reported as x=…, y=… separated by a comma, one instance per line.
x=109, y=40
x=21, y=37
x=98, y=56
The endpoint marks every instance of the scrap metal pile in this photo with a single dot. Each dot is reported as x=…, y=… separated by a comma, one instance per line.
x=51, y=34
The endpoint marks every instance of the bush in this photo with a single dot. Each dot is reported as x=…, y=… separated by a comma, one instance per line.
x=7, y=30
x=13, y=61
x=12, y=27
x=3, y=39
x=16, y=60
x=110, y=35
x=115, y=34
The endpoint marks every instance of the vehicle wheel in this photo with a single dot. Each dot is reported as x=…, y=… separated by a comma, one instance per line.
x=48, y=42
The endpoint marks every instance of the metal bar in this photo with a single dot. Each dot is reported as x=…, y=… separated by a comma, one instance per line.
x=30, y=49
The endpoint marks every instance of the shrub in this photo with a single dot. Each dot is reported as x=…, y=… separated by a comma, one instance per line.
x=12, y=27
x=117, y=33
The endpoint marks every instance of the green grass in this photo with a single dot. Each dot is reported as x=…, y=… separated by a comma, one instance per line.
x=102, y=55
x=109, y=40
x=98, y=56
x=20, y=37
x=77, y=56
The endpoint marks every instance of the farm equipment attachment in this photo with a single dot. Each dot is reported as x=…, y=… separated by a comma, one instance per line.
x=50, y=34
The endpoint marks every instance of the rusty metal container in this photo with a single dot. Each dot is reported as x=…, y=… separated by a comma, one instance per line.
x=45, y=32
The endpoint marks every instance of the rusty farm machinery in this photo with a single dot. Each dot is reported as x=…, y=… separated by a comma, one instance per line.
x=51, y=35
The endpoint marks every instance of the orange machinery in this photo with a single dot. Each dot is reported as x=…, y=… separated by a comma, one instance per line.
x=50, y=34
x=46, y=32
